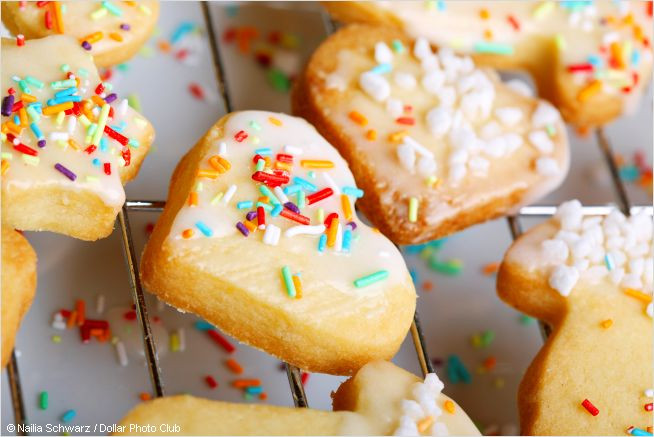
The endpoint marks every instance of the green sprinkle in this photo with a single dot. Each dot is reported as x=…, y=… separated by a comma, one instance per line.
x=34, y=81
x=278, y=80
x=265, y=206
x=526, y=320
x=560, y=42
x=122, y=67
x=261, y=164
x=92, y=179
x=65, y=68
x=487, y=338
x=450, y=268
x=397, y=46
x=288, y=281
x=199, y=187
x=33, y=114
x=320, y=215
x=134, y=102
x=413, y=209
x=63, y=84
x=311, y=174
x=7, y=155
x=112, y=8
x=56, y=339
x=543, y=9
x=145, y=9
x=31, y=160
x=371, y=279
x=254, y=125
x=43, y=400
x=269, y=194
x=83, y=72
x=23, y=87
x=301, y=199
x=551, y=130
x=146, y=52
x=98, y=13
x=493, y=48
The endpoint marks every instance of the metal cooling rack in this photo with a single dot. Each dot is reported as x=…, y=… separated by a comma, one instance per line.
x=293, y=373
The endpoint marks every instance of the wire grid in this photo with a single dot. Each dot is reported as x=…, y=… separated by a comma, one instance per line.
x=293, y=373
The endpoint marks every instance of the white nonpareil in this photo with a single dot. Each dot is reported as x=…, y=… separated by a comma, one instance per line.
x=423, y=404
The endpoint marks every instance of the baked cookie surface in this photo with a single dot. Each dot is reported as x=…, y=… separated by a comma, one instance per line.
x=18, y=285
x=592, y=60
x=259, y=236
x=436, y=143
x=590, y=278
x=381, y=399
x=68, y=142
x=110, y=31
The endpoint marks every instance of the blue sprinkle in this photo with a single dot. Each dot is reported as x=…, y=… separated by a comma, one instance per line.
x=201, y=325
x=37, y=132
x=414, y=275
x=292, y=189
x=204, y=229
x=322, y=243
x=347, y=240
x=104, y=144
x=66, y=92
x=264, y=151
x=629, y=173
x=181, y=30
x=353, y=191
x=96, y=162
x=305, y=184
x=595, y=60
x=441, y=5
x=68, y=416
x=608, y=260
x=276, y=210
x=311, y=174
x=382, y=68
x=17, y=120
x=133, y=142
x=255, y=390
x=456, y=371
x=635, y=57
x=245, y=204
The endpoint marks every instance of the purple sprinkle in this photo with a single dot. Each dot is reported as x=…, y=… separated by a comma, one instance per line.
x=41, y=143
x=292, y=207
x=250, y=215
x=110, y=98
x=86, y=45
x=241, y=227
x=7, y=105
x=69, y=174
x=124, y=26
x=352, y=225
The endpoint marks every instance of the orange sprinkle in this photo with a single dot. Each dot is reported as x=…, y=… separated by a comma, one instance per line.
x=490, y=268
x=251, y=226
x=22, y=114
x=4, y=166
x=397, y=137
x=358, y=118
x=28, y=98
x=347, y=207
x=10, y=126
x=450, y=406
x=283, y=166
x=484, y=14
x=638, y=295
x=219, y=163
x=97, y=333
x=80, y=309
x=58, y=18
x=116, y=36
x=298, y=286
x=187, y=233
x=234, y=366
x=193, y=198
x=425, y=423
x=650, y=428
x=242, y=383
x=275, y=121
x=488, y=34
x=427, y=285
x=589, y=91
x=331, y=232
x=606, y=324
x=98, y=100
x=371, y=135
x=316, y=163
x=263, y=396
x=489, y=363
x=92, y=37
x=164, y=46
x=638, y=33
x=263, y=199
x=72, y=320
x=211, y=174
x=54, y=109
x=145, y=396
x=617, y=54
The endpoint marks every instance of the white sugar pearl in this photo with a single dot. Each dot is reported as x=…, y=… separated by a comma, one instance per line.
x=407, y=156
x=570, y=214
x=616, y=275
x=407, y=427
x=509, y=116
x=582, y=265
x=544, y=115
x=496, y=147
x=513, y=142
x=412, y=409
x=563, y=279
x=426, y=166
x=521, y=87
x=490, y=130
x=567, y=236
x=375, y=85
x=429, y=63
x=394, y=107
x=581, y=248
x=446, y=96
x=421, y=48
x=439, y=429
x=383, y=54
x=556, y=251
x=439, y=121
x=457, y=172
x=479, y=165
x=434, y=384
x=459, y=156
x=433, y=81
x=405, y=80
x=541, y=141
x=547, y=166
x=589, y=222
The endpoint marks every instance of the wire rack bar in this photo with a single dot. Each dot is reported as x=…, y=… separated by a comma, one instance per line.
x=16, y=394
x=607, y=151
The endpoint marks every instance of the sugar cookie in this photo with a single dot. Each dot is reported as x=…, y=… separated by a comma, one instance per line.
x=381, y=399
x=18, y=285
x=436, y=143
x=68, y=142
x=259, y=236
x=592, y=60
x=590, y=278
x=110, y=31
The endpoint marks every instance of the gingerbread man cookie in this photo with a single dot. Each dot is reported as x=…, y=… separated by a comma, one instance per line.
x=381, y=399
x=590, y=279
x=591, y=59
x=260, y=237
x=110, y=31
x=68, y=141
x=18, y=285
x=436, y=143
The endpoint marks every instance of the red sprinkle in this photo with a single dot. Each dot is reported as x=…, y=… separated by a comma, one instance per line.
x=319, y=195
x=211, y=382
x=592, y=409
x=261, y=216
x=122, y=139
x=130, y=315
x=576, y=68
x=196, y=90
x=17, y=106
x=99, y=89
x=20, y=40
x=330, y=217
x=305, y=378
x=287, y=213
x=649, y=407
x=282, y=157
x=107, y=168
x=271, y=179
x=222, y=341
x=127, y=156
x=409, y=121
x=514, y=22
x=90, y=149
x=240, y=136
x=22, y=148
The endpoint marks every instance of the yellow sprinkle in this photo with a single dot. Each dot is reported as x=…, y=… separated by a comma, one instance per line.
x=73, y=144
x=28, y=98
x=217, y=198
x=371, y=135
x=115, y=36
x=212, y=174
x=488, y=34
x=4, y=166
x=425, y=423
x=450, y=406
x=54, y=109
x=347, y=207
x=543, y=9
x=413, y=209
x=316, y=163
x=589, y=91
x=396, y=137
x=298, y=286
x=331, y=233
x=638, y=295
x=606, y=324
x=275, y=121
x=174, y=342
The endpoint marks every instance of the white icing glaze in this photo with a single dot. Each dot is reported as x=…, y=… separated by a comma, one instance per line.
x=580, y=27
x=370, y=251
x=423, y=406
x=42, y=59
x=79, y=21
